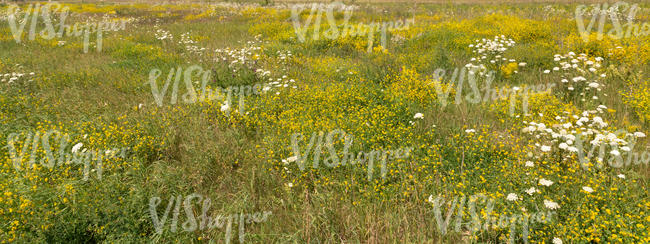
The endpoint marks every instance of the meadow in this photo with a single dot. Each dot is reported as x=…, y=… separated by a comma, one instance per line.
x=270, y=122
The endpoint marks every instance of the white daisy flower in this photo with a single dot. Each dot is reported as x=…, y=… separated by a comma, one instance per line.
x=418, y=116
x=588, y=189
x=529, y=164
x=546, y=148
x=557, y=240
x=622, y=176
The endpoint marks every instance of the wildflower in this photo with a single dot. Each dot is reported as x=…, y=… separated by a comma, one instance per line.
x=289, y=160
x=588, y=189
x=531, y=191
x=546, y=148
x=622, y=176
x=430, y=199
x=529, y=164
x=557, y=240
x=545, y=182
x=225, y=107
x=615, y=152
x=418, y=116
x=551, y=204
x=512, y=197
x=470, y=131
x=639, y=134
x=76, y=147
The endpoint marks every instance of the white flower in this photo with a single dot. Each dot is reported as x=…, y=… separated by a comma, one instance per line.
x=639, y=134
x=626, y=148
x=546, y=148
x=615, y=152
x=563, y=146
x=512, y=197
x=529, y=164
x=588, y=189
x=418, y=116
x=557, y=240
x=470, y=131
x=547, y=71
x=545, y=182
x=598, y=120
x=551, y=204
x=225, y=107
x=289, y=160
x=430, y=198
x=290, y=184
x=622, y=176
x=531, y=190
x=76, y=147
x=522, y=64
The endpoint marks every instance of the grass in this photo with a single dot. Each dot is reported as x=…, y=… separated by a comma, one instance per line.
x=104, y=100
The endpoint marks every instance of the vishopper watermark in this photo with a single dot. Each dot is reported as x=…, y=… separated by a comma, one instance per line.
x=46, y=12
x=602, y=12
x=484, y=221
x=347, y=29
x=76, y=155
x=459, y=76
x=204, y=221
x=348, y=157
x=207, y=94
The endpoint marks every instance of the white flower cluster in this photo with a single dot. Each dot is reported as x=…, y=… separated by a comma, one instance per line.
x=588, y=125
x=161, y=34
x=245, y=56
x=490, y=51
x=284, y=56
x=11, y=77
x=496, y=46
x=580, y=73
x=189, y=44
